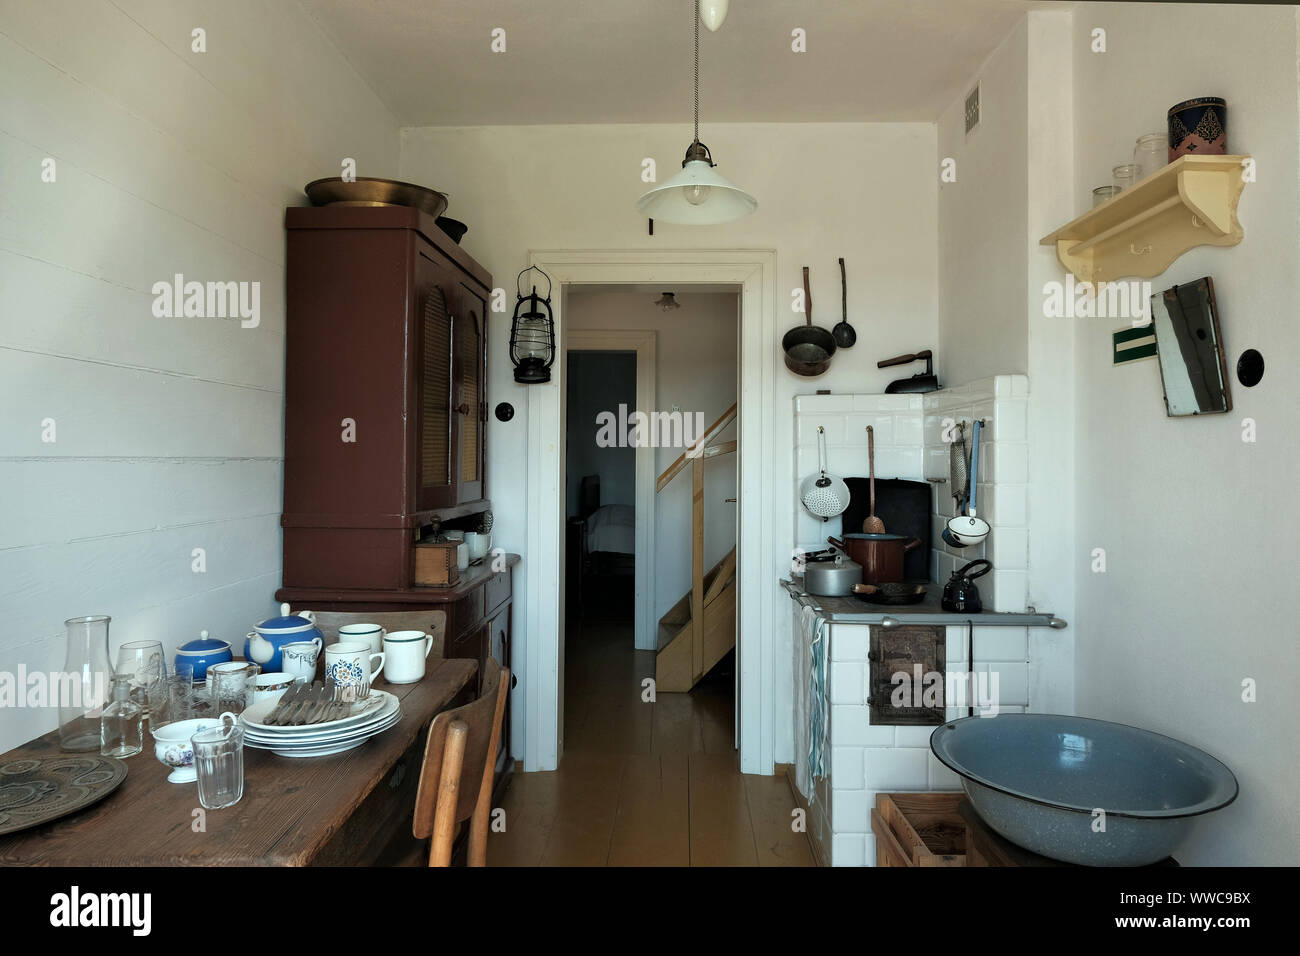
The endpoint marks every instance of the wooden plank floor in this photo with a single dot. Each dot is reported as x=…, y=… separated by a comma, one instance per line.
x=644, y=783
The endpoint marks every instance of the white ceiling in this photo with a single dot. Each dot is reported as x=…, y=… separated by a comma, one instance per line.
x=629, y=61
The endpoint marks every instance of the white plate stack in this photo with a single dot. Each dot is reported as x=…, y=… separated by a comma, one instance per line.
x=380, y=711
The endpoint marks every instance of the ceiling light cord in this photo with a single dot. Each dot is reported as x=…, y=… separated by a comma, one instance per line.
x=696, y=5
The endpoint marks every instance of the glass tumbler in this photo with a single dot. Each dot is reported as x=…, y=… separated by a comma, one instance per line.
x=142, y=662
x=229, y=685
x=1124, y=176
x=1151, y=154
x=180, y=695
x=219, y=765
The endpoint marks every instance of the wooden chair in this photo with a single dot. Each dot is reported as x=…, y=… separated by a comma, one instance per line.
x=430, y=622
x=456, y=778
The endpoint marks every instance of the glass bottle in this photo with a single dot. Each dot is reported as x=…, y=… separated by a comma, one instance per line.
x=121, y=727
x=83, y=685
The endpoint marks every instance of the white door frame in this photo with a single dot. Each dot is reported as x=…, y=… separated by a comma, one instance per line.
x=642, y=342
x=763, y=558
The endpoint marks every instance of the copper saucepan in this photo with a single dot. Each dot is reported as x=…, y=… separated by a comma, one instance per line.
x=881, y=555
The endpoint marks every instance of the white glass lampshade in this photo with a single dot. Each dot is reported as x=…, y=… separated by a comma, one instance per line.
x=697, y=196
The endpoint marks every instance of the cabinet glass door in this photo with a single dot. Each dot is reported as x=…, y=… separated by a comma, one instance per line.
x=471, y=408
x=435, y=461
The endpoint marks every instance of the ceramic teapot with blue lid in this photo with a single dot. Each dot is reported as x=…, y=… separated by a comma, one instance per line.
x=263, y=643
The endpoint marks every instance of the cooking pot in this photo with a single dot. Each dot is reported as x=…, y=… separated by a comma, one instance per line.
x=881, y=555
x=832, y=578
x=960, y=595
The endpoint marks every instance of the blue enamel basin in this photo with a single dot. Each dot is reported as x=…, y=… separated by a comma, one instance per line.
x=1039, y=780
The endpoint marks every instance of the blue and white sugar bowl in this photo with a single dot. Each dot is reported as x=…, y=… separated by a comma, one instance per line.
x=202, y=654
x=263, y=643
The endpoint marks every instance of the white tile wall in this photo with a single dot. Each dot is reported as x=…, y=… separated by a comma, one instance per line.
x=866, y=759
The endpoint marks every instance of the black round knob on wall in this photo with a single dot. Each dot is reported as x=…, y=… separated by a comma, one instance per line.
x=1250, y=368
x=504, y=412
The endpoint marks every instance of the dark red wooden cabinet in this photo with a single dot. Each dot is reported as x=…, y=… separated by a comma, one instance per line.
x=385, y=391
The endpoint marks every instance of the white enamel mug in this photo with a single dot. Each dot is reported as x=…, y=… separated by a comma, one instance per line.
x=404, y=656
x=348, y=664
x=373, y=634
x=478, y=545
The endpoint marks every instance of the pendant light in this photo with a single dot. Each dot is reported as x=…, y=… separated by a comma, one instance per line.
x=697, y=195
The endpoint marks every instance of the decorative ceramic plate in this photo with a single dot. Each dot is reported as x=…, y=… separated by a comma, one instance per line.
x=36, y=790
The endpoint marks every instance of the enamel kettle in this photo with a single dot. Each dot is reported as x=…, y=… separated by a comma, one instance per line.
x=960, y=594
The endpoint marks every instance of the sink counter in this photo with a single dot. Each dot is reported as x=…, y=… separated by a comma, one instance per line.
x=851, y=610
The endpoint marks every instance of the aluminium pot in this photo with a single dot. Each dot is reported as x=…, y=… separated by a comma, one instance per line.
x=832, y=578
x=881, y=555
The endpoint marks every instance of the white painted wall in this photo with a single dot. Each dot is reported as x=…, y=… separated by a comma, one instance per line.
x=982, y=220
x=1008, y=194
x=871, y=200
x=169, y=433
x=695, y=348
x=1181, y=617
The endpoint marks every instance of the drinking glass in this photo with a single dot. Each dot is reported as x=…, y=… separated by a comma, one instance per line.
x=143, y=663
x=229, y=685
x=219, y=764
x=179, y=695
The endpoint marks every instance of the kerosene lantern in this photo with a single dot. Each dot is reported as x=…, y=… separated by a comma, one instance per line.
x=532, y=333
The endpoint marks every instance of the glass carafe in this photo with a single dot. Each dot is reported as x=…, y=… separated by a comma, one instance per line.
x=83, y=686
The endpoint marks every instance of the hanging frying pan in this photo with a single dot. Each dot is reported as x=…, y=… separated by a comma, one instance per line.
x=808, y=348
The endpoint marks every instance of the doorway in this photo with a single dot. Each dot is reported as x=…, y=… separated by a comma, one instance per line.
x=650, y=375
x=762, y=530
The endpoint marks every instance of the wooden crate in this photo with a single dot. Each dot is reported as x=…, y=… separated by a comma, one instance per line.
x=919, y=829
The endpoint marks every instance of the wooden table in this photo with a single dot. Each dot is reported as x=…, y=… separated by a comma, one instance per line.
x=343, y=809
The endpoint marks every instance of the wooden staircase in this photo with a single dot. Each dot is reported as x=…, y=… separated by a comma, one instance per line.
x=700, y=628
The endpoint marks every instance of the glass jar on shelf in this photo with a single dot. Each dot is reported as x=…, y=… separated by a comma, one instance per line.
x=1124, y=176
x=1151, y=154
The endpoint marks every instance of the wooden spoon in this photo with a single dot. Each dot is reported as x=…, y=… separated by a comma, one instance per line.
x=871, y=524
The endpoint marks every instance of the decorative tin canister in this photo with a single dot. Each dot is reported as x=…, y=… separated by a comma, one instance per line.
x=1198, y=127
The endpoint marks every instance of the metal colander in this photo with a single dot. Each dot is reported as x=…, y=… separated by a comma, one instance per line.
x=823, y=495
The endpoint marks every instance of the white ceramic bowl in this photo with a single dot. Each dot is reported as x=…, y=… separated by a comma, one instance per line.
x=173, y=749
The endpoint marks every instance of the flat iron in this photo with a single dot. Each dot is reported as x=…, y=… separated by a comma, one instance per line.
x=920, y=382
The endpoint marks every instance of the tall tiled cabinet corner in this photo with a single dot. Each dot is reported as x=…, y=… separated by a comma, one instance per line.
x=385, y=420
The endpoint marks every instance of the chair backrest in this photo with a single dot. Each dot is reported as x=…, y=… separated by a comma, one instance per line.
x=429, y=621
x=458, y=770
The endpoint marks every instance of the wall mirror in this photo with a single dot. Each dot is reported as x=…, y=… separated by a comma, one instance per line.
x=1190, y=349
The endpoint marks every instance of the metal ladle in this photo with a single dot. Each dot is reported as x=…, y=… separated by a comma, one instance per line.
x=844, y=333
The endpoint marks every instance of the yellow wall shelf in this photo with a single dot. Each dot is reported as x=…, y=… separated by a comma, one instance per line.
x=1191, y=202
